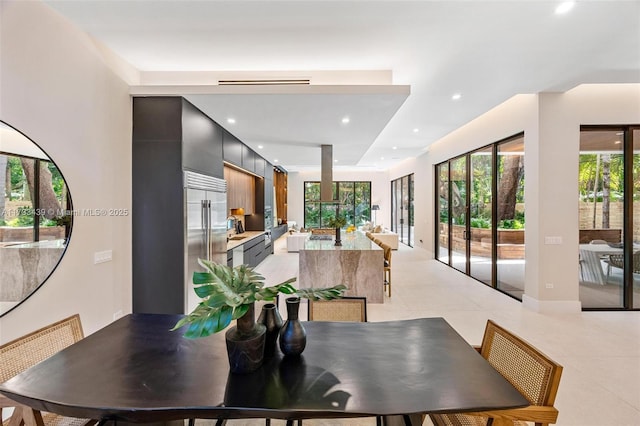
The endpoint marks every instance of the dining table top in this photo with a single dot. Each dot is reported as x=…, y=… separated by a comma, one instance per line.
x=136, y=370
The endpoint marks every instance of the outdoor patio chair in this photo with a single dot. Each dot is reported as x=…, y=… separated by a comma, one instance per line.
x=617, y=261
x=535, y=375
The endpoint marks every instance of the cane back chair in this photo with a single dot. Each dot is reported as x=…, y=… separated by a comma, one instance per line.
x=24, y=352
x=535, y=375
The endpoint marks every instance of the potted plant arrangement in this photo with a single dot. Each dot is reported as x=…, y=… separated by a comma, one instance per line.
x=229, y=293
x=337, y=222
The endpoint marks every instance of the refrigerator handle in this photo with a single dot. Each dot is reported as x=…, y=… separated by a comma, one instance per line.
x=204, y=212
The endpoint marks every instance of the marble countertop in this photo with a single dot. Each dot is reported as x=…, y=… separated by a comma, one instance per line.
x=354, y=241
x=248, y=236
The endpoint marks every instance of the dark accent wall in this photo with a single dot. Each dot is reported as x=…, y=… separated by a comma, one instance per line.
x=169, y=135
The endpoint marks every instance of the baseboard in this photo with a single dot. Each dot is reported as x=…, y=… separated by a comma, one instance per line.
x=552, y=306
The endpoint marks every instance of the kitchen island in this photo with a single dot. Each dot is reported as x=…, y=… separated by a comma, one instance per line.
x=358, y=264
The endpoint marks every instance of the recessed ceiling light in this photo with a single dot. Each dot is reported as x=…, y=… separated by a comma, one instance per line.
x=395, y=147
x=564, y=7
x=335, y=161
x=617, y=142
x=275, y=161
x=260, y=146
x=416, y=130
x=619, y=133
x=456, y=96
x=382, y=158
x=345, y=120
x=231, y=120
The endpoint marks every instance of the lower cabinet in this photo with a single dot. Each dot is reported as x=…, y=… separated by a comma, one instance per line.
x=252, y=253
x=279, y=231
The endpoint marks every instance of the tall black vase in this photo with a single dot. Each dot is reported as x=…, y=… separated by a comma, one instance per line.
x=338, y=240
x=245, y=343
x=293, y=337
x=271, y=319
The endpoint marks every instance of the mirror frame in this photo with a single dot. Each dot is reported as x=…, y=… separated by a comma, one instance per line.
x=67, y=208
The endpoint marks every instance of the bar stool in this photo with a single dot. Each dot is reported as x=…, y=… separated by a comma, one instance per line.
x=387, y=267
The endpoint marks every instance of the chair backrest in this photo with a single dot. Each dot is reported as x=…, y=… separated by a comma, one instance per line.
x=386, y=254
x=530, y=371
x=349, y=308
x=617, y=260
x=24, y=352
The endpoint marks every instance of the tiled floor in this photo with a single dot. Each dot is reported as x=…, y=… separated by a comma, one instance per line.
x=600, y=351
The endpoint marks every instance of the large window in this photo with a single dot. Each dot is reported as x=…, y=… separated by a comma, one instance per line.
x=609, y=217
x=402, y=208
x=480, y=214
x=353, y=200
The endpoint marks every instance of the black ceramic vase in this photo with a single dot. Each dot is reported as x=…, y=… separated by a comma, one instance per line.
x=271, y=319
x=293, y=337
x=245, y=343
x=338, y=240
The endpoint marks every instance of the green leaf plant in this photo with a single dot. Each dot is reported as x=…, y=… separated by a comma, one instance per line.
x=228, y=292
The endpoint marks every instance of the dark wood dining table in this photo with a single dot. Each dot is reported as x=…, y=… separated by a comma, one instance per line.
x=136, y=370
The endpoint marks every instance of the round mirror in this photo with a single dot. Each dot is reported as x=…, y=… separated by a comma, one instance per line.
x=35, y=217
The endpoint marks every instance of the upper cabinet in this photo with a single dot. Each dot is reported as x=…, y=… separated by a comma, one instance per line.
x=232, y=149
x=201, y=142
x=261, y=166
x=240, y=155
x=248, y=159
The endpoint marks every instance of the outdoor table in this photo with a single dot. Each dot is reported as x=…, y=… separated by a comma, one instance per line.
x=136, y=370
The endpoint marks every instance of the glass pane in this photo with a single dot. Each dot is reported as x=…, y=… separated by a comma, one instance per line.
x=312, y=191
x=601, y=204
x=636, y=217
x=327, y=212
x=363, y=202
x=442, y=252
x=53, y=201
x=458, y=213
x=347, y=201
x=18, y=206
x=404, y=218
x=480, y=215
x=311, y=215
x=411, y=219
x=511, y=217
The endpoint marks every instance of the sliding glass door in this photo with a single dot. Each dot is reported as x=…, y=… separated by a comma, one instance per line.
x=480, y=214
x=442, y=212
x=458, y=212
x=609, y=217
x=402, y=209
x=510, y=248
x=481, y=238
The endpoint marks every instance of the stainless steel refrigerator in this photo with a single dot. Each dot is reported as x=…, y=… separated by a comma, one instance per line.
x=206, y=227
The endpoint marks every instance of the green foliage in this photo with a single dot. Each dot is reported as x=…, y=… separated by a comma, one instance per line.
x=510, y=224
x=480, y=222
x=25, y=217
x=338, y=221
x=227, y=292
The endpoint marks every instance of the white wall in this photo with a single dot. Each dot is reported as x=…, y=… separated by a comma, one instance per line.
x=551, y=124
x=380, y=192
x=56, y=88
